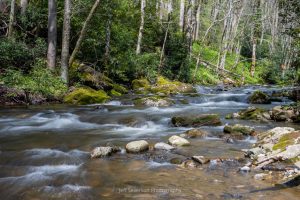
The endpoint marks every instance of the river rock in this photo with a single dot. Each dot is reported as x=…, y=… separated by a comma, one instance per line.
x=163, y=146
x=178, y=141
x=189, y=164
x=193, y=133
x=196, y=120
x=281, y=113
x=259, y=97
x=137, y=146
x=200, y=159
x=154, y=101
x=260, y=176
x=245, y=169
x=251, y=113
x=101, y=152
x=273, y=135
x=238, y=128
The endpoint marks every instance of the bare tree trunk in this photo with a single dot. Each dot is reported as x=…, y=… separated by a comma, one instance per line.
x=141, y=30
x=23, y=4
x=11, y=18
x=253, y=63
x=107, y=40
x=66, y=42
x=52, y=34
x=198, y=21
x=161, y=9
x=83, y=32
x=181, y=17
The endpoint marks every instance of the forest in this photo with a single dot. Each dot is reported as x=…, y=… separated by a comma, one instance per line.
x=149, y=99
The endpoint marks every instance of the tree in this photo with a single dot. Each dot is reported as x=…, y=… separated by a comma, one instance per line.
x=52, y=34
x=23, y=4
x=66, y=42
x=140, y=36
x=11, y=18
x=83, y=32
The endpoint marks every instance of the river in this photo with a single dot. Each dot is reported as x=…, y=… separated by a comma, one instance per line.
x=45, y=149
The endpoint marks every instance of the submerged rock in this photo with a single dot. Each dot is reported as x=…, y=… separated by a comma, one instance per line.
x=163, y=146
x=193, y=133
x=200, y=159
x=178, y=141
x=239, y=129
x=259, y=97
x=101, y=152
x=82, y=96
x=154, y=101
x=260, y=176
x=190, y=164
x=196, y=120
x=245, y=169
x=137, y=146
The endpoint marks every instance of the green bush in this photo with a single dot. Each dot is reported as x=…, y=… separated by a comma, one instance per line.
x=39, y=81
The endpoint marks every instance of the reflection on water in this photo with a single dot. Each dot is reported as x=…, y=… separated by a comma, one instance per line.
x=45, y=152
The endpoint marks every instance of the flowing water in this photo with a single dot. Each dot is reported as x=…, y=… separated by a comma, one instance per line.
x=44, y=152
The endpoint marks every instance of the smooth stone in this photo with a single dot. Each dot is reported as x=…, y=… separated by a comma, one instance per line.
x=178, y=141
x=137, y=146
x=245, y=169
x=163, y=146
x=193, y=133
x=260, y=176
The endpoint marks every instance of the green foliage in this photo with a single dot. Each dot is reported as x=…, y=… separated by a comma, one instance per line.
x=39, y=81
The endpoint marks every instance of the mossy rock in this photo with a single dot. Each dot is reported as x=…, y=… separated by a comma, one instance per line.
x=138, y=84
x=83, y=96
x=238, y=128
x=165, y=86
x=114, y=93
x=259, y=97
x=154, y=101
x=196, y=120
x=252, y=113
x=286, y=140
x=120, y=89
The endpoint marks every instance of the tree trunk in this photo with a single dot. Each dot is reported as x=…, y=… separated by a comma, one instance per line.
x=83, y=32
x=181, y=17
x=23, y=4
x=52, y=34
x=107, y=40
x=198, y=21
x=66, y=42
x=253, y=63
x=163, y=47
x=11, y=18
x=141, y=30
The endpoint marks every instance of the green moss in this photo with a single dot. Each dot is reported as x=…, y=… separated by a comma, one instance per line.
x=229, y=116
x=251, y=114
x=259, y=97
x=197, y=121
x=286, y=140
x=120, y=89
x=82, y=96
x=115, y=93
x=140, y=84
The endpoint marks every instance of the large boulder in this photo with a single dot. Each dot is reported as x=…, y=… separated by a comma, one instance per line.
x=82, y=96
x=163, y=146
x=273, y=135
x=196, y=120
x=178, y=141
x=137, y=146
x=239, y=129
x=153, y=101
x=259, y=97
